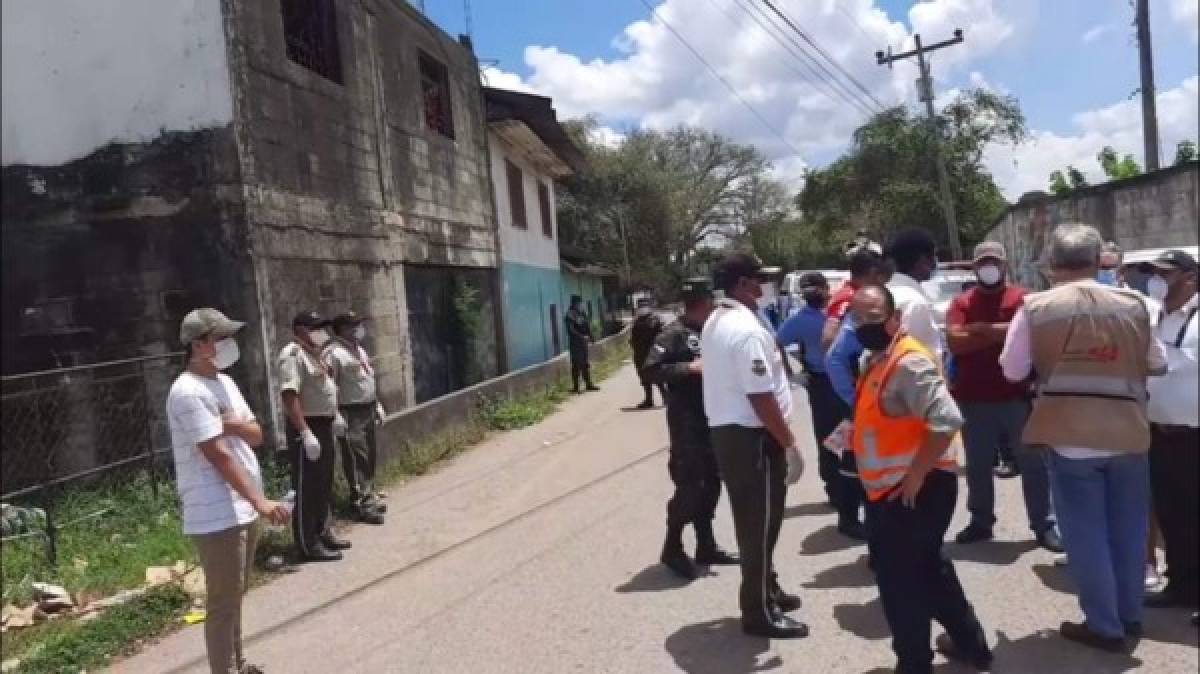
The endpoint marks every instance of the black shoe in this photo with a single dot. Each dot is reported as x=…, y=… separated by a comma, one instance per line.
x=646, y=405
x=332, y=542
x=370, y=516
x=1050, y=540
x=1006, y=469
x=851, y=528
x=786, y=603
x=1168, y=597
x=1082, y=634
x=320, y=553
x=576, y=391
x=974, y=533
x=252, y=669
x=592, y=387
x=780, y=627
x=946, y=646
x=713, y=555
x=675, y=559
x=1134, y=630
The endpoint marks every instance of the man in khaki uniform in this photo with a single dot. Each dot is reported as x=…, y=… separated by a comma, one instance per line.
x=359, y=406
x=310, y=404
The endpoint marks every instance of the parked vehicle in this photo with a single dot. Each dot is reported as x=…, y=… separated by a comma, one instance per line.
x=789, y=290
x=946, y=284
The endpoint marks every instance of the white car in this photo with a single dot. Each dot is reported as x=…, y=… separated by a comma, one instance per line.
x=789, y=290
x=943, y=288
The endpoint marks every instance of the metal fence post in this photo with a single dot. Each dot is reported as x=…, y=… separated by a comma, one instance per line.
x=51, y=532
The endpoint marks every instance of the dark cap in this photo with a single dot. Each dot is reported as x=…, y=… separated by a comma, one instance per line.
x=347, y=318
x=309, y=319
x=736, y=266
x=1175, y=259
x=813, y=279
x=695, y=287
x=202, y=323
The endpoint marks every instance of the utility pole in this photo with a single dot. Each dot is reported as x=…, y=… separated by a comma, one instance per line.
x=1149, y=111
x=925, y=94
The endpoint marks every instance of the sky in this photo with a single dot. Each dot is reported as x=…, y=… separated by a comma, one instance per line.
x=1072, y=64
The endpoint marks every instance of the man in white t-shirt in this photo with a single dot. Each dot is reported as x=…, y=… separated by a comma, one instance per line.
x=747, y=399
x=219, y=481
x=913, y=253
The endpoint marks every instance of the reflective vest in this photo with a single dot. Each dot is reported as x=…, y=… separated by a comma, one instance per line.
x=885, y=446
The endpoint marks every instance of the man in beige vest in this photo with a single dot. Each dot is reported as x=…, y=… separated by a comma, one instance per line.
x=1091, y=350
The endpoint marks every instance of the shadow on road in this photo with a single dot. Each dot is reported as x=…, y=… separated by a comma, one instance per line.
x=826, y=539
x=864, y=620
x=1170, y=626
x=1045, y=651
x=805, y=509
x=635, y=408
x=719, y=647
x=1054, y=577
x=1000, y=553
x=653, y=578
x=851, y=574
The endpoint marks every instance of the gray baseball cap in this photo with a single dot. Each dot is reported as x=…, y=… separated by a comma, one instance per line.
x=201, y=323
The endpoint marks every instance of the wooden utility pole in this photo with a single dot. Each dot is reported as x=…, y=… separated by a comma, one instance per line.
x=1149, y=111
x=925, y=94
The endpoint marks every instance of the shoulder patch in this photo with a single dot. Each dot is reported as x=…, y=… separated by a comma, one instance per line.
x=758, y=367
x=693, y=344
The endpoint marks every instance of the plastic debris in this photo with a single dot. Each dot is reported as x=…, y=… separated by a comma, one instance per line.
x=52, y=598
x=195, y=616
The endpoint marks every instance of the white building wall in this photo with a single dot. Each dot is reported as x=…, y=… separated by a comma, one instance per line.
x=524, y=246
x=78, y=74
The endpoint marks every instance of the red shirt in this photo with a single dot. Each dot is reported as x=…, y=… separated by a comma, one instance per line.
x=839, y=302
x=978, y=377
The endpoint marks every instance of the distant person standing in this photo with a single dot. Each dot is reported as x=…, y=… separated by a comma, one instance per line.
x=748, y=400
x=358, y=403
x=995, y=409
x=913, y=254
x=1174, y=414
x=646, y=328
x=675, y=361
x=1091, y=348
x=579, y=337
x=310, y=403
x=213, y=433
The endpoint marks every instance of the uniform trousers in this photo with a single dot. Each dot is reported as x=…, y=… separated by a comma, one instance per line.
x=359, y=453
x=313, y=484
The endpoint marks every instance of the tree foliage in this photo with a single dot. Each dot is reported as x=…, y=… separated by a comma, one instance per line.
x=1185, y=151
x=887, y=181
x=1074, y=179
x=1117, y=168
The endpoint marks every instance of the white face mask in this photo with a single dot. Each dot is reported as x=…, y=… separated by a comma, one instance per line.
x=318, y=337
x=989, y=275
x=227, y=353
x=1157, y=288
x=359, y=333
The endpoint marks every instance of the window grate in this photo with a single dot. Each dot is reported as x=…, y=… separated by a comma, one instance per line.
x=544, y=205
x=435, y=95
x=310, y=33
x=516, y=194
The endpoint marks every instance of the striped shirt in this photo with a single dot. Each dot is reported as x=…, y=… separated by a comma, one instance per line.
x=194, y=408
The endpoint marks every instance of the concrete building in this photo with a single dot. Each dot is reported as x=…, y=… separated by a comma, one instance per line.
x=529, y=152
x=262, y=157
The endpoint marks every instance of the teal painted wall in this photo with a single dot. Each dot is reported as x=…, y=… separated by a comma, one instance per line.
x=529, y=293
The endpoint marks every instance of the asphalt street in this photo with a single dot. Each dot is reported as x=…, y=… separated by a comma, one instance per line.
x=537, y=552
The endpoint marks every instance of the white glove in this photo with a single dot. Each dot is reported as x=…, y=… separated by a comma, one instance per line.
x=339, y=426
x=312, y=446
x=795, y=465
x=380, y=414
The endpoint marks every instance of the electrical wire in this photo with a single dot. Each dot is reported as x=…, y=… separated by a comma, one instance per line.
x=763, y=120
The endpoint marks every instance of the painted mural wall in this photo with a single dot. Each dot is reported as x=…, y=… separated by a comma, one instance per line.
x=79, y=74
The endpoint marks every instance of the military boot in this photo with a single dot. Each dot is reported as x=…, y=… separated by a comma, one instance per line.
x=673, y=556
x=707, y=550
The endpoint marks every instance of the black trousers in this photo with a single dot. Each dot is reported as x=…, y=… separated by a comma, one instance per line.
x=580, y=366
x=313, y=484
x=840, y=475
x=1175, y=485
x=697, y=487
x=753, y=468
x=917, y=583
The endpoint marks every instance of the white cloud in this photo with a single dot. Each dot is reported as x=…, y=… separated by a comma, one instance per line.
x=1028, y=166
x=1095, y=33
x=1187, y=12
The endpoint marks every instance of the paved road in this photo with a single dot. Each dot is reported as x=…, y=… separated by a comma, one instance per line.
x=536, y=552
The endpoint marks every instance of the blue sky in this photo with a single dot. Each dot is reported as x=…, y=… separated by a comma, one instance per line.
x=1071, y=63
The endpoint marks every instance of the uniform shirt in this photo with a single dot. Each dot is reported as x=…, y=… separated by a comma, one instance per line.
x=841, y=363
x=579, y=328
x=804, y=328
x=977, y=375
x=916, y=312
x=669, y=363
x=917, y=389
x=740, y=359
x=1016, y=361
x=194, y=408
x=1173, y=397
x=307, y=376
x=352, y=373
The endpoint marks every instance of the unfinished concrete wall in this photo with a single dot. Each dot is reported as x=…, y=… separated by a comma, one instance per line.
x=345, y=183
x=1155, y=210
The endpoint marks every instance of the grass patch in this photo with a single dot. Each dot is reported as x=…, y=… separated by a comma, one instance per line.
x=75, y=646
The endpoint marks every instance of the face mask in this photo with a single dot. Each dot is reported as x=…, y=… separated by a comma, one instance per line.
x=1107, y=277
x=1157, y=288
x=318, y=337
x=873, y=336
x=989, y=275
x=227, y=353
x=359, y=333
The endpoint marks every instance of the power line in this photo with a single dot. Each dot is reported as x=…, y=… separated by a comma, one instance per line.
x=794, y=26
x=763, y=19
x=754, y=111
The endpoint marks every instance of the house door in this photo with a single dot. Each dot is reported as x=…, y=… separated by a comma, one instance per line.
x=554, y=329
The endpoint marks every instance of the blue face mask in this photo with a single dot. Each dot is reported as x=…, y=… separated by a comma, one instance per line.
x=1107, y=277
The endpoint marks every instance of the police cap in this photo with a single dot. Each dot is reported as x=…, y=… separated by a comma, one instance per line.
x=696, y=287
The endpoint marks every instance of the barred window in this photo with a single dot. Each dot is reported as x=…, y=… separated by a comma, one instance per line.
x=516, y=194
x=544, y=205
x=435, y=95
x=310, y=31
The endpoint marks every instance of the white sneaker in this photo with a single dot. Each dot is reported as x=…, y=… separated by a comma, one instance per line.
x=1153, y=578
x=1060, y=559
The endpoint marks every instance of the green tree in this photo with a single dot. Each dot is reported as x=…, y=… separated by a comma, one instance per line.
x=887, y=180
x=1074, y=179
x=1185, y=151
x=1117, y=168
